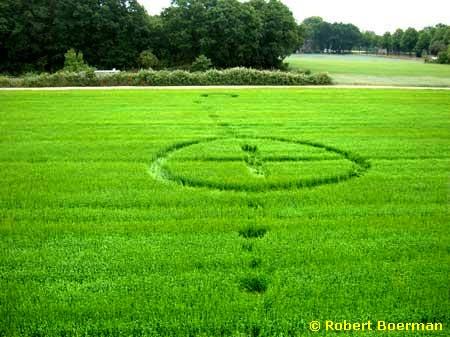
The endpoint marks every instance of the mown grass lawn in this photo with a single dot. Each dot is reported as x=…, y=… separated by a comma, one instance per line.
x=374, y=70
x=232, y=212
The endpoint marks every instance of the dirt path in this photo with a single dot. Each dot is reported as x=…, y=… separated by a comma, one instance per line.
x=227, y=87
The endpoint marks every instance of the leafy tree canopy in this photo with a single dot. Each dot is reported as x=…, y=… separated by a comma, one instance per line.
x=74, y=62
x=231, y=33
x=35, y=35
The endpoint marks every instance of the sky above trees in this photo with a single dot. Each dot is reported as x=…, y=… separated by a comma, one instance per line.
x=375, y=15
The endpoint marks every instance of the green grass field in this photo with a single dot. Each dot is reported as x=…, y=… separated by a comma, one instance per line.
x=223, y=213
x=374, y=70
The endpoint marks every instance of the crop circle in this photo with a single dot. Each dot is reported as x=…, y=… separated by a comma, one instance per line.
x=256, y=164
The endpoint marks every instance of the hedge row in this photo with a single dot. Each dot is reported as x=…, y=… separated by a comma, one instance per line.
x=234, y=76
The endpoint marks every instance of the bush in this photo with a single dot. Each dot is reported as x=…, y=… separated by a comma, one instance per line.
x=444, y=56
x=74, y=62
x=201, y=63
x=10, y=82
x=436, y=47
x=148, y=60
x=234, y=76
x=301, y=71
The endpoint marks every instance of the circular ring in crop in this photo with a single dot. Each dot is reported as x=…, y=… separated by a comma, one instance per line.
x=255, y=161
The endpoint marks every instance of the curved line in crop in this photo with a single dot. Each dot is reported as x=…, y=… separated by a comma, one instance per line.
x=157, y=168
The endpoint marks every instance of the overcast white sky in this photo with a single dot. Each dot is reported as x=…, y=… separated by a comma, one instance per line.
x=377, y=15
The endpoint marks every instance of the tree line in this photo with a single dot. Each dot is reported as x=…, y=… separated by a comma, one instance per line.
x=321, y=36
x=35, y=35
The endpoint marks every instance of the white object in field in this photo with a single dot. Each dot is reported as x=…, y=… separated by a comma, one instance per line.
x=106, y=72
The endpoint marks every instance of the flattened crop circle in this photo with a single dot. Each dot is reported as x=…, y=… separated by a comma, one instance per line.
x=162, y=172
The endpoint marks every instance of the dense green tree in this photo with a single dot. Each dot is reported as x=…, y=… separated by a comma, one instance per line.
x=369, y=41
x=258, y=33
x=157, y=39
x=280, y=35
x=386, y=42
x=436, y=47
x=311, y=28
x=322, y=36
x=36, y=34
x=423, y=42
x=148, y=60
x=409, y=40
x=440, y=39
x=444, y=56
x=397, y=40
x=233, y=31
x=121, y=33
x=24, y=38
x=201, y=63
x=183, y=24
x=74, y=61
x=344, y=37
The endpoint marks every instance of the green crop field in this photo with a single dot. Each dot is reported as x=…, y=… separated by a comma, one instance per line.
x=244, y=212
x=374, y=70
